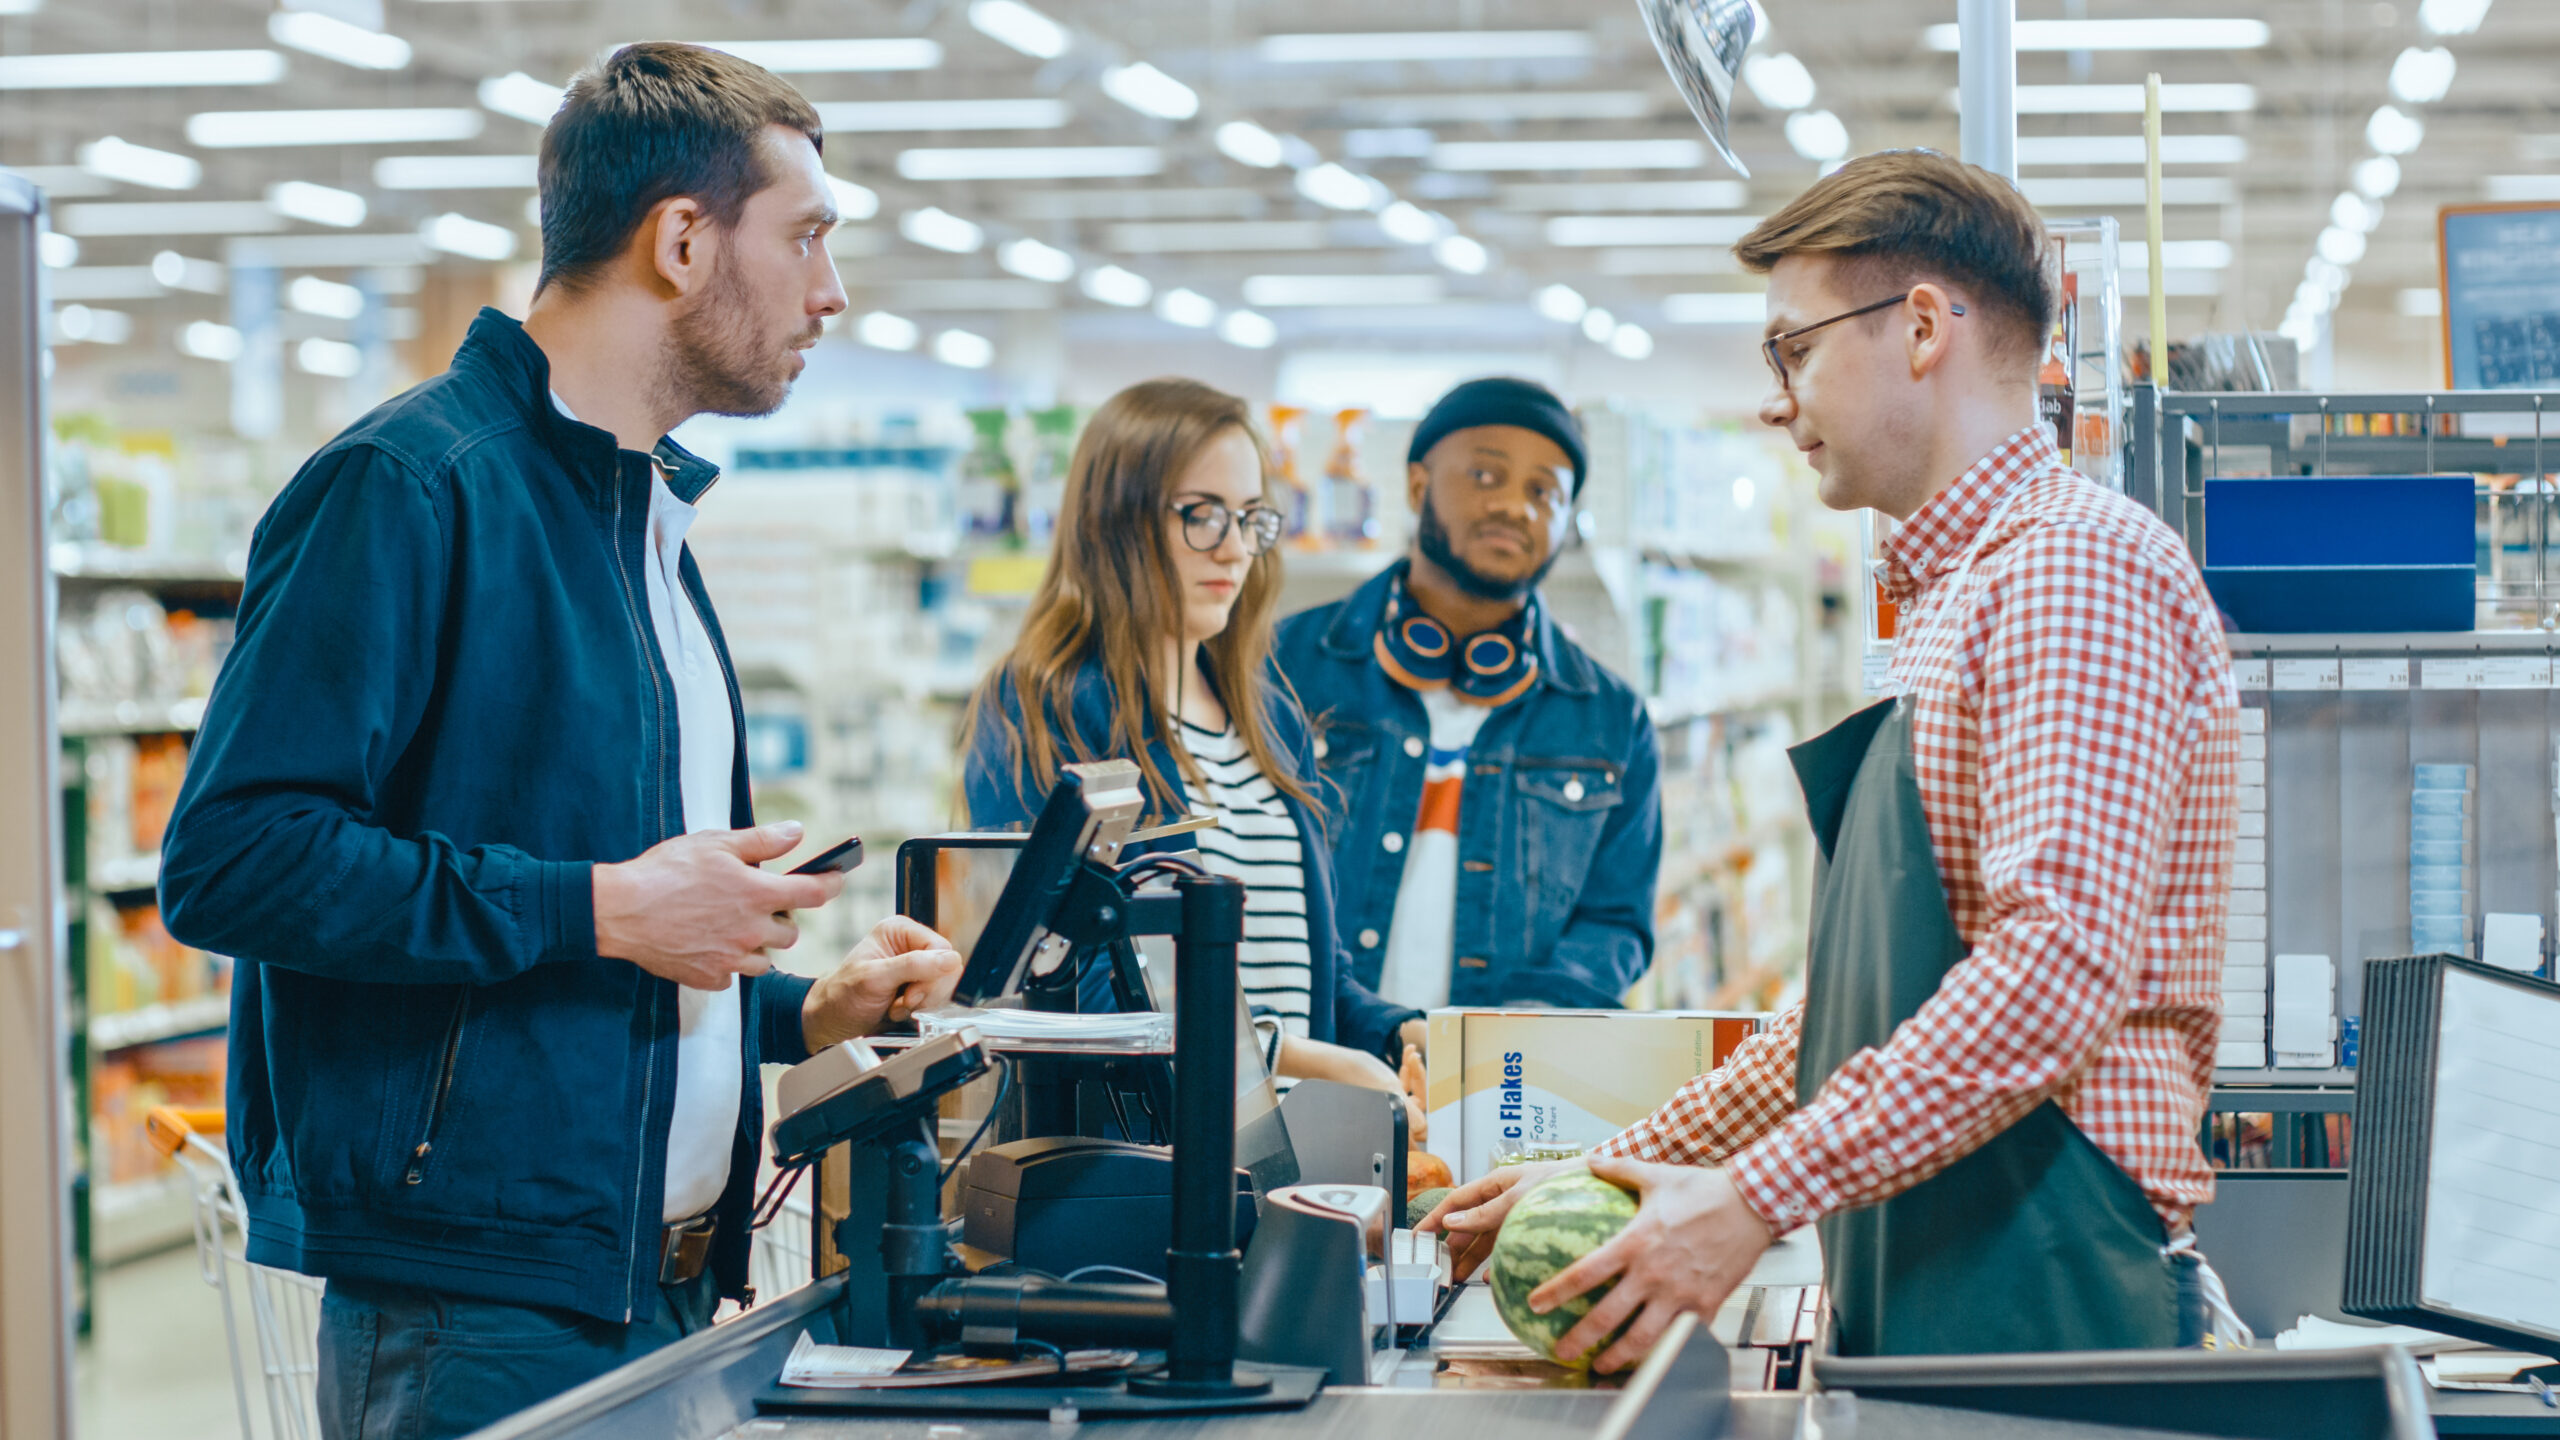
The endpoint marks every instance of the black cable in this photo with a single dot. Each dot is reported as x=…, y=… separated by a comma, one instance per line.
x=1004, y=1088
x=1145, y=864
x=768, y=1206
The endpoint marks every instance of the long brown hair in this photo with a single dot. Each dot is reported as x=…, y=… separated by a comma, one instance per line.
x=1110, y=595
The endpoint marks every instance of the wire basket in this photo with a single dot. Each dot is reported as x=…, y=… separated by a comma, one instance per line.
x=282, y=1308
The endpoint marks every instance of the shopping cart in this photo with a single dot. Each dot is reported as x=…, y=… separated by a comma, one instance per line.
x=283, y=1308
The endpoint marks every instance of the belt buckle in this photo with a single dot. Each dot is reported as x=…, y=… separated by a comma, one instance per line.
x=683, y=1248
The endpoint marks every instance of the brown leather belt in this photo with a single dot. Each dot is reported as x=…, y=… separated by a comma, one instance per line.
x=684, y=1248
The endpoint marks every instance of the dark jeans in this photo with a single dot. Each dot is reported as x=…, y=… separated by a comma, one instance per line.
x=404, y=1364
x=2194, y=1320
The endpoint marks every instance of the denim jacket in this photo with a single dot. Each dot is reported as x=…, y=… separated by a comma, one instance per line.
x=1357, y=1017
x=1559, y=826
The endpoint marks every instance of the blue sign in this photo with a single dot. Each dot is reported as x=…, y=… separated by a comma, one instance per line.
x=2502, y=296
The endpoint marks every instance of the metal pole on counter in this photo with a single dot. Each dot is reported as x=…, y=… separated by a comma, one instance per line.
x=2151, y=210
x=1987, y=84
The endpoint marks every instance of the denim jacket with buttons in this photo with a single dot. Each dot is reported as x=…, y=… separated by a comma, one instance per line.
x=1559, y=826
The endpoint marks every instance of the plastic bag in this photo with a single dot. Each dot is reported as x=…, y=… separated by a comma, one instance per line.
x=1702, y=43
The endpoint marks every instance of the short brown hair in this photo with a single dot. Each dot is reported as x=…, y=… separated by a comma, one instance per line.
x=649, y=122
x=1901, y=216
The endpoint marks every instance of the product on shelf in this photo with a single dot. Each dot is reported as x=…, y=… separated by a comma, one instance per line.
x=2244, y=968
x=126, y=1086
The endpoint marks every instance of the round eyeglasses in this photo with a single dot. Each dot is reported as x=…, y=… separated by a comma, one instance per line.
x=1205, y=522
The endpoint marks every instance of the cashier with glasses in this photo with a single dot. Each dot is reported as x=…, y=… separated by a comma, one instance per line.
x=1989, y=1098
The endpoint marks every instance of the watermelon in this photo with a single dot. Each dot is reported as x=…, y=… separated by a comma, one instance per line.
x=1563, y=1218
x=1423, y=1204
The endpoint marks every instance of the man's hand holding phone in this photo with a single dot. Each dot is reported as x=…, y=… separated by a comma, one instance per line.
x=698, y=911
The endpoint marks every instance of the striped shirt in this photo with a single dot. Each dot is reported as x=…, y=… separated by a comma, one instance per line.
x=1256, y=841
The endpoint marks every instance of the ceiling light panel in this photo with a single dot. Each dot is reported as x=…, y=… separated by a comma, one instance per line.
x=1249, y=144
x=1033, y=260
x=1631, y=342
x=1253, y=332
x=64, y=182
x=2451, y=17
x=2128, y=99
x=1778, y=81
x=964, y=348
x=939, y=229
x=1337, y=188
x=884, y=331
x=1425, y=45
x=206, y=340
x=58, y=251
x=1577, y=231
x=331, y=38
x=335, y=359
x=833, y=57
x=171, y=217
x=2128, y=150
x=1050, y=162
x=455, y=172
x=853, y=202
x=1149, y=91
x=1817, y=135
x=185, y=272
x=1568, y=155
x=2420, y=77
x=1561, y=303
x=314, y=296
x=473, y=239
x=151, y=69
x=247, y=129
x=115, y=159
x=1114, y=286
x=318, y=204
x=2138, y=34
x=882, y=116
x=1410, y=224
x=2376, y=176
x=1010, y=22
x=2394, y=131
x=1187, y=308
x=1461, y=254
x=521, y=97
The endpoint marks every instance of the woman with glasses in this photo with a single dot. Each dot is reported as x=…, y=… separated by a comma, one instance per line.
x=1150, y=639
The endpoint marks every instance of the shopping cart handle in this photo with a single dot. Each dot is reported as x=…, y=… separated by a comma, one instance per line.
x=170, y=1125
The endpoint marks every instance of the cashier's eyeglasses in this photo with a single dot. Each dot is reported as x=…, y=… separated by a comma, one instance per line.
x=1773, y=349
x=1205, y=522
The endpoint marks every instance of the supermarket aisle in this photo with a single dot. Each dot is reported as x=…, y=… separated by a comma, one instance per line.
x=155, y=1369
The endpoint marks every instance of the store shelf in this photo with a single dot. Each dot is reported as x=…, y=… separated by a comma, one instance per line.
x=2420, y=643
x=107, y=562
x=153, y=1023
x=131, y=717
x=133, y=872
x=140, y=1216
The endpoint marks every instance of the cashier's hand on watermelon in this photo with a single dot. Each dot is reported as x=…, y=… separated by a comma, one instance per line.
x=899, y=968
x=1472, y=1214
x=1692, y=1242
x=698, y=911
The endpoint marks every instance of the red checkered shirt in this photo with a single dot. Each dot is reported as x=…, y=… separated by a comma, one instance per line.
x=2075, y=735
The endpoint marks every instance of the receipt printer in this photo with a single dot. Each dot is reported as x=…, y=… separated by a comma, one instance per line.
x=1064, y=1202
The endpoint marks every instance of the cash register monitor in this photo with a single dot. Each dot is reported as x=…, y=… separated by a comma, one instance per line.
x=1089, y=812
x=955, y=882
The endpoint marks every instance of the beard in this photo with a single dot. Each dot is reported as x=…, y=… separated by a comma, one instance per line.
x=1433, y=538
x=718, y=363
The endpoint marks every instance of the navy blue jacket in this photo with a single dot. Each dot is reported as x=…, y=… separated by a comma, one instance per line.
x=1559, y=827
x=1357, y=1017
x=445, y=705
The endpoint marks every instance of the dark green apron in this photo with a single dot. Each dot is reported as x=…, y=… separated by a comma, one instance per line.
x=2036, y=1241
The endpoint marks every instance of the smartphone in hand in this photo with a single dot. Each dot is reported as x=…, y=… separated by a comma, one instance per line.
x=835, y=860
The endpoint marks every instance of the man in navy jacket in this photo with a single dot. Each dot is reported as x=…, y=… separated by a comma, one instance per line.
x=470, y=804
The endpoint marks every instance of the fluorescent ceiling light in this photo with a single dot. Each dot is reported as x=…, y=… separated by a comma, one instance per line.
x=853, y=202
x=1497, y=107
x=2420, y=77
x=78, y=324
x=1333, y=186
x=2521, y=189
x=1114, y=286
x=63, y=182
x=2351, y=211
x=1253, y=332
x=1719, y=307
x=206, y=340
x=2451, y=17
x=1458, y=253
x=1568, y=155
x=314, y=296
x=2422, y=302
x=1410, y=224
x=2340, y=247
x=171, y=217
x=335, y=359
x=455, y=172
x=1010, y=22
x=1562, y=304
x=832, y=57
x=880, y=116
x=115, y=159
x=2056, y=191
x=1598, y=325
x=1399, y=142
x=2127, y=99
x=1631, y=342
x=2376, y=176
x=521, y=97
x=56, y=250
x=331, y=38
x=2128, y=150
x=1778, y=81
x=1425, y=45
x=2393, y=131
x=2328, y=274
x=1817, y=135
x=461, y=235
x=1594, y=230
x=1187, y=308
x=938, y=229
x=964, y=348
x=174, y=271
x=1249, y=144
x=1149, y=91
x=2176, y=255
x=1277, y=291
x=319, y=204
x=1213, y=235
x=20, y=7
x=241, y=129
x=2143, y=34
x=151, y=69
x=1031, y=162
x=1033, y=260
x=883, y=331
x=1628, y=195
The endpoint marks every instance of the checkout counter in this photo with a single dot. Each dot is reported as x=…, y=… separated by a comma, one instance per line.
x=1313, y=1328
